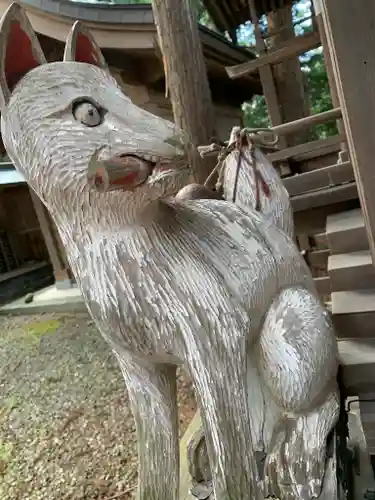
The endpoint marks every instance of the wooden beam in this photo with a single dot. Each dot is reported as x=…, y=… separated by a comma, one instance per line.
x=323, y=285
x=294, y=151
x=288, y=76
x=57, y=261
x=266, y=76
x=298, y=45
x=272, y=33
x=322, y=197
x=318, y=259
x=320, y=240
x=330, y=72
x=315, y=220
x=319, y=178
x=351, y=40
x=309, y=121
x=317, y=153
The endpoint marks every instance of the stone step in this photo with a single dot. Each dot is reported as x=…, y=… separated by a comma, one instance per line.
x=324, y=197
x=357, y=357
x=346, y=232
x=351, y=271
x=319, y=178
x=353, y=313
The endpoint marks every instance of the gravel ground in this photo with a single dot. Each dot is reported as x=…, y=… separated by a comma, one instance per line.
x=66, y=429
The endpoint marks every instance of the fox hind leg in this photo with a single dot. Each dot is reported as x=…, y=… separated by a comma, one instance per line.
x=298, y=364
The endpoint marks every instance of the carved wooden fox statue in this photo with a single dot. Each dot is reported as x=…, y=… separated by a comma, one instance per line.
x=198, y=283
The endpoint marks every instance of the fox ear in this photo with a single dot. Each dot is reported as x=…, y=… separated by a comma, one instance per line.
x=20, y=50
x=81, y=47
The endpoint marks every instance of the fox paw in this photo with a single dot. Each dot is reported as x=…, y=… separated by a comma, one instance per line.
x=294, y=468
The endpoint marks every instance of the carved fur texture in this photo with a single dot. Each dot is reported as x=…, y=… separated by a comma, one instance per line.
x=200, y=283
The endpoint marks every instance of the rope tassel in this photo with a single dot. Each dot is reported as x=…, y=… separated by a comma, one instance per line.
x=245, y=137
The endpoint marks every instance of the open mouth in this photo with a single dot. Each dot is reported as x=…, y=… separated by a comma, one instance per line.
x=128, y=171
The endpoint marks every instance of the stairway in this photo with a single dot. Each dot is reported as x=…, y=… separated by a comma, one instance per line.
x=352, y=282
x=321, y=187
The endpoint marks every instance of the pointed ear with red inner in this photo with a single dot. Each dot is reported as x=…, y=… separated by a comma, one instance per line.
x=20, y=50
x=81, y=47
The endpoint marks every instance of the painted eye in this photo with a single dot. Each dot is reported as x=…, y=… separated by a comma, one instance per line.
x=87, y=113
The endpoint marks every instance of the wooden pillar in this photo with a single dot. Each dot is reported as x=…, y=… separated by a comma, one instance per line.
x=268, y=85
x=344, y=155
x=288, y=74
x=349, y=27
x=58, y=260
x=266, y=76
x=186, y=77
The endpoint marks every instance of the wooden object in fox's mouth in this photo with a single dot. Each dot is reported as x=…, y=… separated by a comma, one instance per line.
x=122, y=171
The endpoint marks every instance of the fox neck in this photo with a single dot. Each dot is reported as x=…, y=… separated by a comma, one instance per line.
x=88, y=213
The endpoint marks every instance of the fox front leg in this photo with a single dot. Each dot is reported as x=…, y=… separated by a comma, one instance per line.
x=152, y=393
x=219, y=376
x=298, y=364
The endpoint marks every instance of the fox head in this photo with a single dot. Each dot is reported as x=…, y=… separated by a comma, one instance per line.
x=72, y=132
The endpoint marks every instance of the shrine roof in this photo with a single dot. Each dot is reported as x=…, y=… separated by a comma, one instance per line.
x=109, y=20
x=130, y=29
x=227, y=15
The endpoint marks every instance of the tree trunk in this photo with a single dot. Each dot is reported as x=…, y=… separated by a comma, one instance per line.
x=186, y=77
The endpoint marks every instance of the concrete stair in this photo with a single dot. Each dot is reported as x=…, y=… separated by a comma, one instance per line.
x=352, y=276
x=353, y=313
x=351, y=271
x=357, y=357
x=346, y=232
x=352, y=282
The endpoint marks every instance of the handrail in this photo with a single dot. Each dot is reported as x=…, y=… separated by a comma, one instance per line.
x=317, y=119
x=300, y=149
x=291, y=48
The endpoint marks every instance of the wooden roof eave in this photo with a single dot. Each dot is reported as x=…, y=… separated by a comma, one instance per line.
x=227, y=15
x=128, y=28
x=124, y=27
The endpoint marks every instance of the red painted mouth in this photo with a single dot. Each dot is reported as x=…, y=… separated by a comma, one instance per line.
x=124, y=171
x=126, y=179
x=123, y=181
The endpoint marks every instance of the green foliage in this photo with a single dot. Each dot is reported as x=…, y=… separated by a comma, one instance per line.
x=202, y=15
x=256, y=113
x=319, y=93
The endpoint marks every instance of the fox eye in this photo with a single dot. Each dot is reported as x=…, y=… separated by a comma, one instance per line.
x=87, y=113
